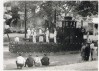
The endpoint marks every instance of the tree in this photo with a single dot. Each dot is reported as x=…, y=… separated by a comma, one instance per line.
x=53, y=9
x=50, y=10
x=13, y=12
x=87, y=8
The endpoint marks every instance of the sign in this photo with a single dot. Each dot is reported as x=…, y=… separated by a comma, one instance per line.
x=51, y=35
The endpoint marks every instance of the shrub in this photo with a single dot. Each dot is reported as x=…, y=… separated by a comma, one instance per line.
x=42, y=47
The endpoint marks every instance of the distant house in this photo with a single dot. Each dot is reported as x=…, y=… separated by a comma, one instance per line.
x=95, y=26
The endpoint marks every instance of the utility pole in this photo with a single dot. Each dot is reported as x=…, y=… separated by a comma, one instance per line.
x=54, y=24
x=25, y=18
x=55, y=17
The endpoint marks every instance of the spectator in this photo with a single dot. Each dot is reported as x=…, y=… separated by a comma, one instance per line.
x=20, y=61
x=87, y=52
x=83, y=52
x=93, y=50
x=45, y=60
x=16, y=39
x=37, y=61
x=29, y=61
x=95, y=53
x=28, y=33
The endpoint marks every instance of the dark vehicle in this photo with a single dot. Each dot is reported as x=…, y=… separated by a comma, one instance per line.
x=68, y=33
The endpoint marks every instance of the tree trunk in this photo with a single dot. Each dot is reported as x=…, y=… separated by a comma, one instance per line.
x=8, y=37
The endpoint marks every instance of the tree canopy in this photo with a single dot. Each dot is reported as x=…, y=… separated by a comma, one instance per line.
x=86, y=8
x=48, y=10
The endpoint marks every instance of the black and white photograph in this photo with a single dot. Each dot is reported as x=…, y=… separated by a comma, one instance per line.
x=50, y=35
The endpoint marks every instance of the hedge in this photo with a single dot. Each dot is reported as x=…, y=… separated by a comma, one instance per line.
x=43, y=47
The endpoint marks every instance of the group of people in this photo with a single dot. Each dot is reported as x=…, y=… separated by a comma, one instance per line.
x=32, y=32
x=88, y=50
x=30, y=61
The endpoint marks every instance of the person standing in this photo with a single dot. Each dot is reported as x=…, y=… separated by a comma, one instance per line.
x=87, y=52
x=45, y=60
x=29, y=61
x=32, y=31
x=55, y=33
x=28, y=33
x=83, y=51
x=93, y=50
x=41, y=39
x=47, y=35
x=20, y=61
x=34, y=37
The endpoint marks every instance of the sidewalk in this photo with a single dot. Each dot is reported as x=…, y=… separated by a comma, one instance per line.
x=85, y=66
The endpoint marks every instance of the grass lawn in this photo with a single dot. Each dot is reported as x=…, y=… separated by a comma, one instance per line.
x=12, y=36
x=59, y=58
